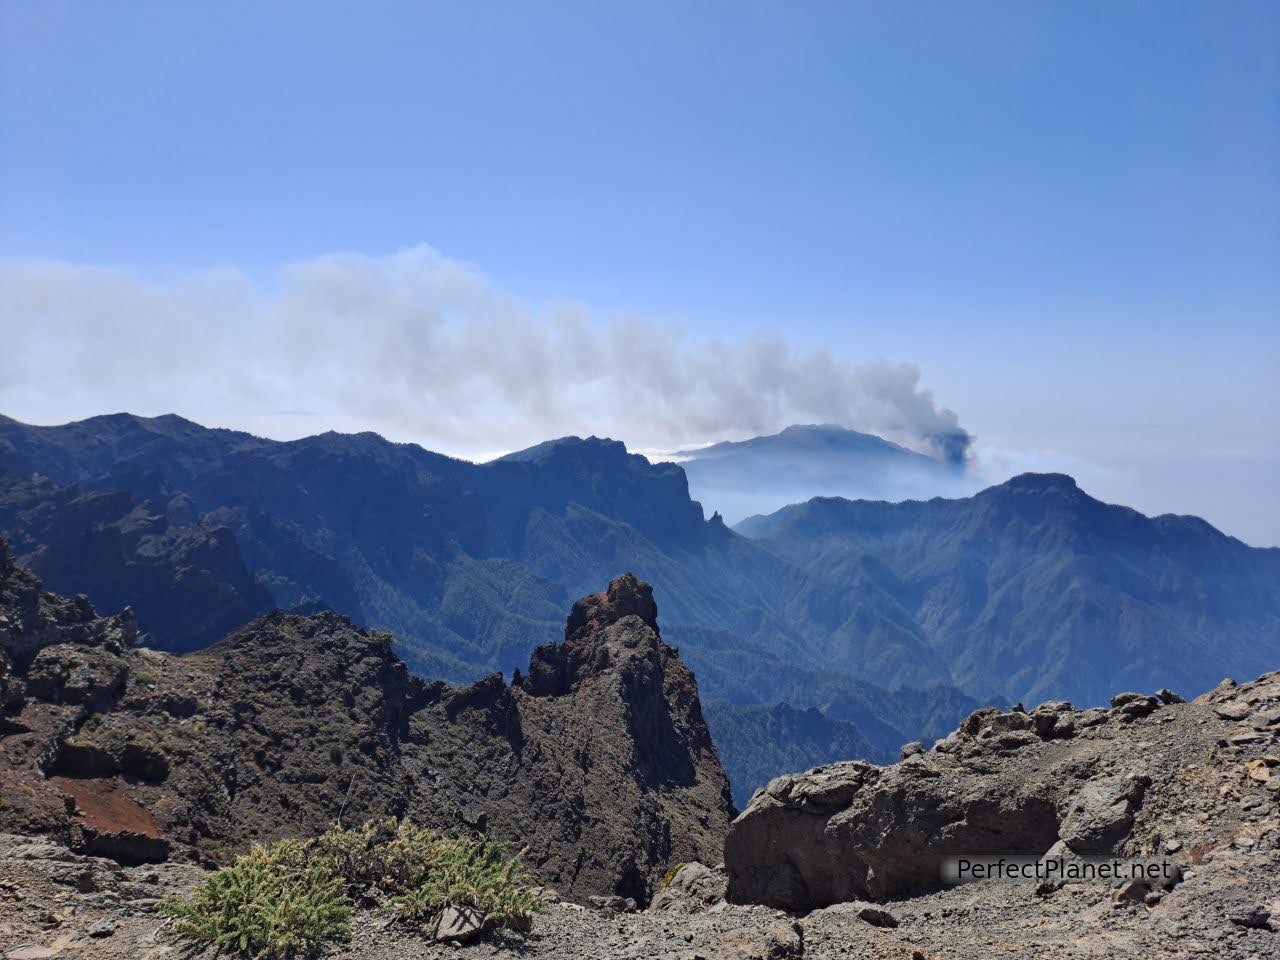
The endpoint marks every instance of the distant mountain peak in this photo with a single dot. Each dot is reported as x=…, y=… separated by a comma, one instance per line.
x=1040, y=481
x=549, y=448
x=811, y=437
x=169, y=420
x=801, y=429
x=740, y=478
x=1080, y=594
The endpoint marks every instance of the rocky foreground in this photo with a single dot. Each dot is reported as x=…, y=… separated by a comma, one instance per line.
x=126, y=773
x=1196, y=783
x=59, y=904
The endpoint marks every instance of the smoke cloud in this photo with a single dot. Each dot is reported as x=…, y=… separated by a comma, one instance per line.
x=422, y=347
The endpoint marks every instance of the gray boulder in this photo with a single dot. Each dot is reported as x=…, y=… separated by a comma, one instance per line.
x=852, y=831
x=459, y=925
x=877, y=917
x=1233, y=710
x=694, y=888
x=1250, y=916
x=1006, y=783
x=612, y=904
x=1100, y=815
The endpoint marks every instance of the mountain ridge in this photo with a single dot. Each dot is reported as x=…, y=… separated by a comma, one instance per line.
x=995, y=565
x=423, y=535
x=471, y=565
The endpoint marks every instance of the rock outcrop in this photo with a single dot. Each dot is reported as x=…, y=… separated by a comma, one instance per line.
x=1129, y=780
x=598, y=764
x=598, y=760
x=757, y=744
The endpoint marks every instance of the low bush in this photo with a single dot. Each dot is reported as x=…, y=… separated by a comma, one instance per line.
x=382, y=856
x=477, y=874
x=284, y=900
x=274, y=903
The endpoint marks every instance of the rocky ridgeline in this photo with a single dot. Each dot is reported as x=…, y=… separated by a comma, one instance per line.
x=597, y=763
x=1151, y=777
x=184, y=578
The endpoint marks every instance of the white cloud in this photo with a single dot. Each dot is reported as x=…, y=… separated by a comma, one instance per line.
x=417, y=346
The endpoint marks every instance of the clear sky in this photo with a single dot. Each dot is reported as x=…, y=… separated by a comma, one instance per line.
x=475, y=224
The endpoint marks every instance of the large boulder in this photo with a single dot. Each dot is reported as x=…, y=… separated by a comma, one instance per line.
x=1006, y=783
x=693, y=888
x=1101, y=814
x=853, y=831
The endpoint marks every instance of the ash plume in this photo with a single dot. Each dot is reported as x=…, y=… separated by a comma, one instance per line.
x=419, y=346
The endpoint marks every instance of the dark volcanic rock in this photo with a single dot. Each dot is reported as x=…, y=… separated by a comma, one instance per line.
x=605, y=779
x=618, y=736
x=626, y=597
x=32, y=620
x=557, y=668
x=694, y=888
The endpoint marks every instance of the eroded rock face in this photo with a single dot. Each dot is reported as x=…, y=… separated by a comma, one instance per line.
x=31, y=620
x=185, y=577
x=598, y=765
x=1050, y=781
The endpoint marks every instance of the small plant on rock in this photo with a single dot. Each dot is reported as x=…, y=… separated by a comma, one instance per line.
x=353, y=853
x=286, y=900
x=670, y=875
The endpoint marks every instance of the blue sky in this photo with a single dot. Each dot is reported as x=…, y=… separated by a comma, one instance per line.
x=1066, y=216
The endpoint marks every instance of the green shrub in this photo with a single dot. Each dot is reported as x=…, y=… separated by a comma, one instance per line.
x=274, y=903
x=471, y=873
x=387, y=856
x=287, y=899
x=353, y=854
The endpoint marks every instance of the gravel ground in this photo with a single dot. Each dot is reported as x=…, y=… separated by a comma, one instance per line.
x=53, y=902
